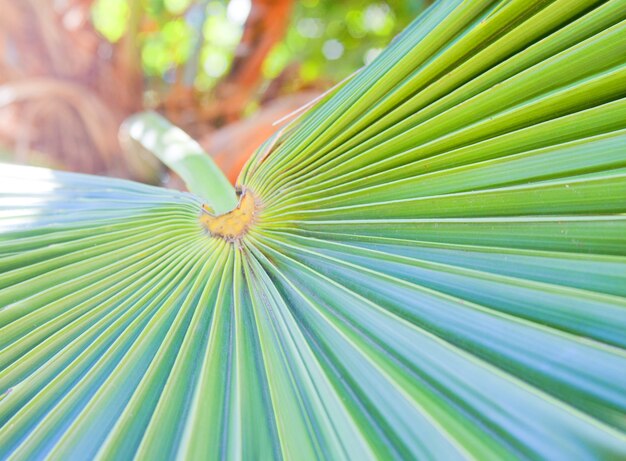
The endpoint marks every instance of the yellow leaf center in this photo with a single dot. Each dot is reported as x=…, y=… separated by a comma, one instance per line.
x=233, y=225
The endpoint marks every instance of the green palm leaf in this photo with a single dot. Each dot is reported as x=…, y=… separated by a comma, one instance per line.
x=435, y=268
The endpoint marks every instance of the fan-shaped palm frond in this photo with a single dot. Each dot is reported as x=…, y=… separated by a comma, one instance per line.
x=430, y=263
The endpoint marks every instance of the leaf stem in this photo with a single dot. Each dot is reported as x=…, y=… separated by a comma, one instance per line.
x=185, y=156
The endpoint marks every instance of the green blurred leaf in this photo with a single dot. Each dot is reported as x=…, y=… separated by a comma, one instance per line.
x=177, y=6
x=110, y=18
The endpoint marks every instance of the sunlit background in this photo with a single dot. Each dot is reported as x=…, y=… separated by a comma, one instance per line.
x=72, y=70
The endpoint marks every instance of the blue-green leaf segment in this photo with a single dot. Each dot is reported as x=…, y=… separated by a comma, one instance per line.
x=436, y=269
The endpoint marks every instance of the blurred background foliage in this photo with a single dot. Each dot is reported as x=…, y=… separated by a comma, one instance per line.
x=224, y=70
